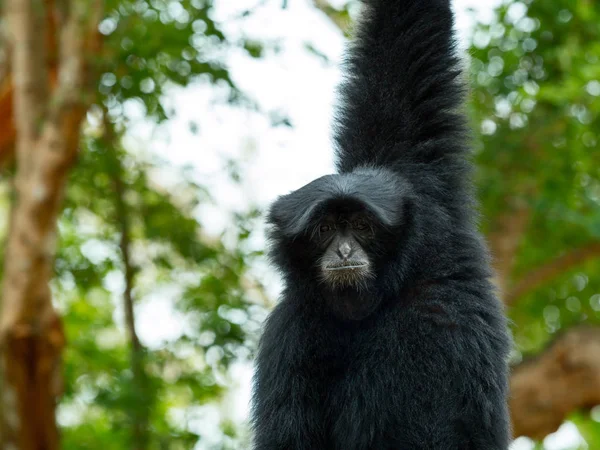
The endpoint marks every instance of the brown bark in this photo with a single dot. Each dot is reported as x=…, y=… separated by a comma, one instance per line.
x=7, y=123
x=562, y=379
x=47, y=130
x=30, y=332
x=8, y=131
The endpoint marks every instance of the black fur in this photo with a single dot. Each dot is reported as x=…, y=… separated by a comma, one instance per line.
x=425, y=368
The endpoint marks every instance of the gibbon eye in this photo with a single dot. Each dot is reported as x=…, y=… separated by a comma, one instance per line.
x=325, y=228
x=360, y=225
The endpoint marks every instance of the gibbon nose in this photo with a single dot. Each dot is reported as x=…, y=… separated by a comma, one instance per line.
x=345, y=250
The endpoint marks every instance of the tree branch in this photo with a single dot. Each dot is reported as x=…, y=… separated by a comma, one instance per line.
x=504, y=240
x=547, y=272
x=122, y=218
x=141, y=412
x=562, y=379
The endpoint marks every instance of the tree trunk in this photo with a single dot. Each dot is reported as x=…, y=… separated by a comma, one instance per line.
x=8, y=131
x=47, y=133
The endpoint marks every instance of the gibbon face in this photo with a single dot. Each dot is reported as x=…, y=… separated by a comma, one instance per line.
x=344, y=237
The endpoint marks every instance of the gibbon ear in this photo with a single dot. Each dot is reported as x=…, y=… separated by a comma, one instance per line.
x=291, y=214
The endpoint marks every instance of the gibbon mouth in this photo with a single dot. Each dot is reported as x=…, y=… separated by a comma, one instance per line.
x=346, y=265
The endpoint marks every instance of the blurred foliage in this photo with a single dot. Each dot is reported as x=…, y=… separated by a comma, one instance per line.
x=536, y=98
x=536, y=104
x=154, y=44
x=169, y=252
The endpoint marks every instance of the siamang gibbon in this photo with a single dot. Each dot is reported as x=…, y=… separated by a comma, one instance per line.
x=389, y=334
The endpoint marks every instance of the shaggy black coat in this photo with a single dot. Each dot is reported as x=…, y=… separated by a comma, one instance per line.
x=426, y=368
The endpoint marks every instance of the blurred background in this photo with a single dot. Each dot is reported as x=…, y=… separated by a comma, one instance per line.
x=140, y=143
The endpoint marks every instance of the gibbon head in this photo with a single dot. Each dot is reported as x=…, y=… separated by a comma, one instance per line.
x=340, y=235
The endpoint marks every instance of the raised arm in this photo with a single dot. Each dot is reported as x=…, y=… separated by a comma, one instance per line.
x=401, y=99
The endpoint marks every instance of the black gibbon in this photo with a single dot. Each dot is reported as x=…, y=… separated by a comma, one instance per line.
x=388, y=334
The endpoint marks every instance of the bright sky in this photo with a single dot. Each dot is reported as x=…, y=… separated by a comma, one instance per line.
x=274, y=160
